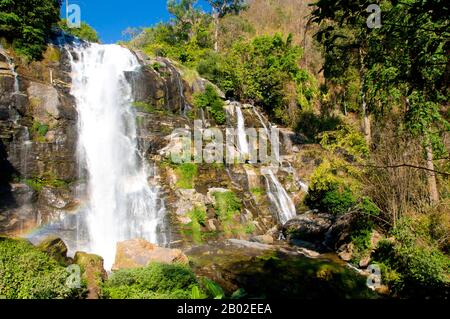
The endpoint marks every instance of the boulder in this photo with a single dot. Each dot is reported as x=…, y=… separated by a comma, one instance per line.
x=262, y=239
x=339, y=233
x=137, y=253
x=188, y=199
x=251, y=245
x=92, y=271
x=308, y=226
x=55, y=248
x=346, y=251
x=44, y=100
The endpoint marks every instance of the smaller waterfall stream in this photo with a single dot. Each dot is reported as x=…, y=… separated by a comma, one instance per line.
x=241, y=135
x=279, y=197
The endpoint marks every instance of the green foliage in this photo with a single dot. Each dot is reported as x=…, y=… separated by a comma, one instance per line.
x=146, y=107
x=156, y=281
x=28, y=273
x=212, y=289
x=211, y=101
x=37, y=183
x=414, y=264
x=199, y=214
x=84, y=32
x=311, y=125
x=258, y=193
x=329, y=192
x=227, y=205
x=186, y=174
x=198, y=219
x=346, y=140
x=27, y=24
x=39, y=130
x=265, y=71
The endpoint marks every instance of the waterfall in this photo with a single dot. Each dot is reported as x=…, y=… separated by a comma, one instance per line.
x=261, y=120
x=121, y=203
x=279, y=197
x=242, y=136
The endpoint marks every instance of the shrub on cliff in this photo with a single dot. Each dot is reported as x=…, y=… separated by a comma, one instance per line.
x=84, y=32
x=210, y=101
x=28, y=273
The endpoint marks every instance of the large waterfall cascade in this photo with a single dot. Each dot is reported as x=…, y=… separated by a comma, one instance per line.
x=121, y=203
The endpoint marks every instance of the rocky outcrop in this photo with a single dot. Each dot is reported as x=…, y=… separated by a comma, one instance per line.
x=37, y=138
x=310, y=226
x=55, y=248
x=137, y=253
x=92, y=272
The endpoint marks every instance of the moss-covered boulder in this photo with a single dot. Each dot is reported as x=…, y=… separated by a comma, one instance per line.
x=55, y=248
x=92, y=272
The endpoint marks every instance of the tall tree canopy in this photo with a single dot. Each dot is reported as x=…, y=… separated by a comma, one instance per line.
x=27, y=23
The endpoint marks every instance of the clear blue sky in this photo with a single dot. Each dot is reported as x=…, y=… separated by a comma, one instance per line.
x=111, y=17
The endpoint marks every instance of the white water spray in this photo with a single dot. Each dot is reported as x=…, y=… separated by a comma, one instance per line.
x=121, y=204
x=279, y=197
x=242, y=136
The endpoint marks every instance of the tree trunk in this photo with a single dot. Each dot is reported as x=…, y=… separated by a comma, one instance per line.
x=432, y=185
x=366, y=119
x=216, y=31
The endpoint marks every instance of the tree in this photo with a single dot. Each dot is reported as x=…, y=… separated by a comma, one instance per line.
x=84, y=32
x=219, y=9
x=27, y=24
x=404, y=64
x=343, y=34
x=186, y=16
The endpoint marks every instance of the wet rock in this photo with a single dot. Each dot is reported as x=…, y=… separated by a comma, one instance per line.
x=44, y=102
x=248, y=244
x=308, y=252
x=364, y=262
x=188, y=199
x=346, y=251
x=339, y=233
x=308, y=226
x=53, y=197
x=262, y=239
x=138, y=253
x=92, y=271
x=55, y=248
x=212, y=224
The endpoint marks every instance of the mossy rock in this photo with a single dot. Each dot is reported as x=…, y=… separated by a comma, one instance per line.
x=55, y=248
x=92, y=272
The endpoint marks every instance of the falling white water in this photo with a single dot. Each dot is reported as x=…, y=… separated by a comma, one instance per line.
x=121, y=204
x=261, y=120
x=279, y=197
x=242, y=136
x=275, y=148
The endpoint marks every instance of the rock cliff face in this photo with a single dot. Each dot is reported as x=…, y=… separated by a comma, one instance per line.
x=38, y=132
x=39, y=177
